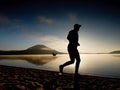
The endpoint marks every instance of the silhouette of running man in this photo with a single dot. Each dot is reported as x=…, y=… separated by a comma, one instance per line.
x=72, y=49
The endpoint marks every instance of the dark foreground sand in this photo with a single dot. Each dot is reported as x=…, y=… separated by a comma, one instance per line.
x=14, y=78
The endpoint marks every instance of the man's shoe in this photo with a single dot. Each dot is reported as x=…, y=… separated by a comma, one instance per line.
x=77, y=74
x=61, y=69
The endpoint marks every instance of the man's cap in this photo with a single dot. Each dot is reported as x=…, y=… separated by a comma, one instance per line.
x=77, y=25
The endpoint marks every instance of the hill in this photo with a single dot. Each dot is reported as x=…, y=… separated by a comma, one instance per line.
x=37, y=49
x=115, y=52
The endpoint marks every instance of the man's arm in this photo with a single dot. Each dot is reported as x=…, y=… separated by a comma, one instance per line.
x=68, y=36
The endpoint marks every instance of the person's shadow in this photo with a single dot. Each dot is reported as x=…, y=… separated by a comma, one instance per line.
x=53, y=85
x=76, y=82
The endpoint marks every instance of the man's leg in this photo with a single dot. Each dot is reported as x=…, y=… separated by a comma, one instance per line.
x=77, y=63
x=72, y=59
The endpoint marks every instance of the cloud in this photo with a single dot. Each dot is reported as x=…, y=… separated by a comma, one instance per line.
x=4, y=19
x=72, y=16
x=45, y=20
x=11, y=23
x=53, y=42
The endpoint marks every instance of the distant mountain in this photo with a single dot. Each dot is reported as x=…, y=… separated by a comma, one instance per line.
x=37, y=49
x=41, y=49
x=115, y=52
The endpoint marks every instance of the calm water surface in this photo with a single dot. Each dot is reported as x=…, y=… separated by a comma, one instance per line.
x=91, y=64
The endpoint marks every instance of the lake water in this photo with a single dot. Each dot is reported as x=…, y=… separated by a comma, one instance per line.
x=91, y=64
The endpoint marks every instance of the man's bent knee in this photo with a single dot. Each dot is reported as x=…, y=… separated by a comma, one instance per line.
x=72, y=61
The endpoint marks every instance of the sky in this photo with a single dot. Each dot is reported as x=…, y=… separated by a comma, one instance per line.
x=25, y=23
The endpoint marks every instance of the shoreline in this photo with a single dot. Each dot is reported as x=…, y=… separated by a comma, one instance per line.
x=35, y=79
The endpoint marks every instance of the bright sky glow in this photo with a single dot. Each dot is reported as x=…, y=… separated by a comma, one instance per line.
x=27, y=23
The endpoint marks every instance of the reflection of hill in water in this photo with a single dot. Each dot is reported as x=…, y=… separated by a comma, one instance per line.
x=116, y=55
x=34, y=59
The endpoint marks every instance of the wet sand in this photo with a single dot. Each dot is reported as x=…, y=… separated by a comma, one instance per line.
x=15, y=78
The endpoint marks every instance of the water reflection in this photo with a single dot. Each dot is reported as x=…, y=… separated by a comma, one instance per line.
x=116, y=55
x=91, y=64
x=34, y=59
x=103, y=64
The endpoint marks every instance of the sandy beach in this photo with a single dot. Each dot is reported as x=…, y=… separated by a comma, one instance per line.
x=15, y=78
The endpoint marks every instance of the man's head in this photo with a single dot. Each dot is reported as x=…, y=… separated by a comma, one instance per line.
x=77, y=26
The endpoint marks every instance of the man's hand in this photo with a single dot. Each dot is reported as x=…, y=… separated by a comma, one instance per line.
x=78, y=44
